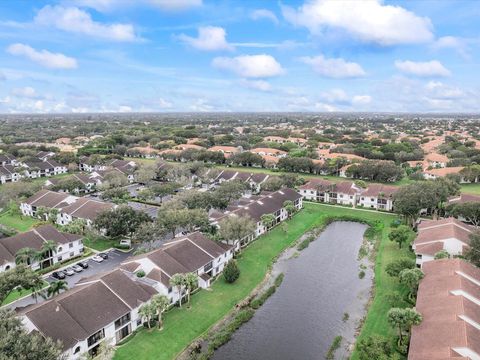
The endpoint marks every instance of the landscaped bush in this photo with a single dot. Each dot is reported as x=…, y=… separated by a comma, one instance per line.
x=335, y=345
x=231, y=272
x=279, y=279
x=140, y=273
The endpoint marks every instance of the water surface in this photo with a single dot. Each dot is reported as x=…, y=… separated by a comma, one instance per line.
x=303, y=317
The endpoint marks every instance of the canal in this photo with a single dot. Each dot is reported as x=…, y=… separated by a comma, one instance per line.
x=320, y=298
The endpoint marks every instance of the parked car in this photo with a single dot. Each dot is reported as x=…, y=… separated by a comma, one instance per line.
x=104, y=256
x=97, y=259
x=126, y=242
x=77, y=268
x=69, y=271
x=83, y=264
x=58, y=275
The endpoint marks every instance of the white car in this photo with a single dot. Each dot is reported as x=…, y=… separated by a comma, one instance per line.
x=97, y=259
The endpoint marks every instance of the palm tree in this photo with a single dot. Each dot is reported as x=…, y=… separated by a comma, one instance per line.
x=56, y=287
x=147, y=311
x=48, y=249
x=289, y=207
x=36, y=286
x=25, y=255
x=160, y=302
x=177, y=281
x=190, y=280
x=267, y=220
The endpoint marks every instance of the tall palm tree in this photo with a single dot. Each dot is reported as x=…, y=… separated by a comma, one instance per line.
x=267, y=220
x=178, y=281
x=36, y=286
x=160, y=302
x=49, y=248
x=56, y=287
x=190, y=280
x=24, y=255
x=147, y=311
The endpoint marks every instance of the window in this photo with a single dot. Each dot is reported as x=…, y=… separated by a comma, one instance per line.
x=122, y=321
x=169, y=289
x=70, y=245
x=59, y=258
x=72, y=254
x=77, y=350
x=60, y=249
x=93, y=339
x=123, y=333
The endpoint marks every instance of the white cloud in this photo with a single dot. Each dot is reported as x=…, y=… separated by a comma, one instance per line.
x=361, y=99
x=369, y=21
x=423, y=69
x=324, y=107
x=209, y=38
x=75, y=20
x=124, y=108
x=43, y=57
x=110, y=5
x=201, y=105
x=259, y=14
x=439, y=90
x=250, y=66
x=335, y=96
x=452, y=42
x=25, y=92
x=334, y=67
x=164, y=104
x=261, y=85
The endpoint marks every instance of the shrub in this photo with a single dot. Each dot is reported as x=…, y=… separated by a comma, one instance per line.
x=361, y=274
x=231, y=272
x=374, y=347
x=279, y=279
x=255, y=304
x=140, y=273
x=395, y=267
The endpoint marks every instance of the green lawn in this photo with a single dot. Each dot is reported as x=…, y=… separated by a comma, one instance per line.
x=182, y=326
x=15, y=295
x=17, y=222
x=471, y=188
x=99, y=244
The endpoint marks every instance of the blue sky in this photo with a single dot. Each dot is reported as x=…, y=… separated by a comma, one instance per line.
x=193, y=55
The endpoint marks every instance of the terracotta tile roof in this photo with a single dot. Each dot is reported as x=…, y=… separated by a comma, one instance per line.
x=438, y=230
x=376, y=189
x=436, y=157
x=450, y=319
x=444, y=171
x=315, y=184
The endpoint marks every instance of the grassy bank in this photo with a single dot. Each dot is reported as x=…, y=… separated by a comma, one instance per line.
x=182, y=326
x=17, y=222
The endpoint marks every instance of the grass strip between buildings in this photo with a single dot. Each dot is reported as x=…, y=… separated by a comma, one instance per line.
x=182, y=326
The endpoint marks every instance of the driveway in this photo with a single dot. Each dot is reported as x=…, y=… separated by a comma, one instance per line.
x=115, y=258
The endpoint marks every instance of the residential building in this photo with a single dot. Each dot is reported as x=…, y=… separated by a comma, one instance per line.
x=67, y=246
x=9, y=173
x=442, y=172
x=344, y=193
x=436, y=160
x=45, y=155
x=44, y=168
x=448, y=234
x=193, y=253
x=463, y=198
x=227, y=151
x=269, y=152
x=448, y=299
x=316, y=190
x=97, y=309
x=255, y=207
x=6, y=159
x=68, y=207
x=378, y=196
x=89, y=181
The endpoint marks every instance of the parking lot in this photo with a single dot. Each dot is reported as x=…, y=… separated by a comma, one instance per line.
x=115, y=258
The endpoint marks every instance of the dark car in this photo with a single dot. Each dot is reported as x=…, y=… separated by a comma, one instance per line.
x=83, y=264
x=58, y=275
x=104, y=256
